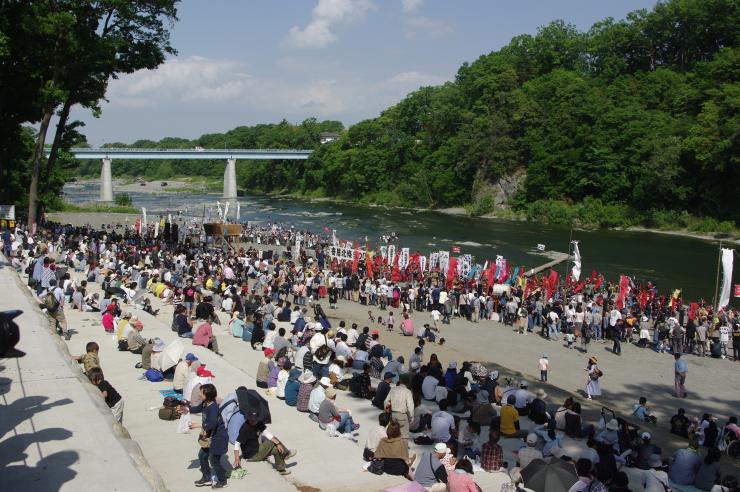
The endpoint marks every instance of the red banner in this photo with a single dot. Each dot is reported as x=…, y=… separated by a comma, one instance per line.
x=451, y=271
x=643, y=300
x=356, y=261
x=737, y=290
x=552, y=283
x=624, y=285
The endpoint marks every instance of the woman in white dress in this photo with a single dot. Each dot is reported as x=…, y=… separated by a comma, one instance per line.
x=594, y=374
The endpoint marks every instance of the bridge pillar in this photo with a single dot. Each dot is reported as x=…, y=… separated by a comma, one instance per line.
x=230, y=179
x=106, y=182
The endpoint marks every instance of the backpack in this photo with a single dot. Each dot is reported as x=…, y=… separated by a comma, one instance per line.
x=168, y=413
x=123, y=345
x=51, y=303
x=170, y=402
x=356, y=387
x=153, y=376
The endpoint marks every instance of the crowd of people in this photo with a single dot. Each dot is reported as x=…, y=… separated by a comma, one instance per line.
x=459, y=416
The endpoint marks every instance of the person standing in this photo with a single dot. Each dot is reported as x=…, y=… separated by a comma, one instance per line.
x=617, y=333
x=400, y=401
x=593, y=388
x=681, y=369
x=544, y=365
x=213, y=438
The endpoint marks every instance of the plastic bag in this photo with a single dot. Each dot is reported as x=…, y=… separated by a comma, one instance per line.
x=183, y=425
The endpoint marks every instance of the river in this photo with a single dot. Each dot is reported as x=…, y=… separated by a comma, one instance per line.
x=669, y=261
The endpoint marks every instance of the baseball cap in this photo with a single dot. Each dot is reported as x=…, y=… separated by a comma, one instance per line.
x=191, y=356
x=531, y=438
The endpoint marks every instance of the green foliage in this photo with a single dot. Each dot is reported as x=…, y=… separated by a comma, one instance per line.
x=632, y=122
x=123, y=200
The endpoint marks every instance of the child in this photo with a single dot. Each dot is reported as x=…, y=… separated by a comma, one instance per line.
x=266, y=366
x=642, y=412
x=375, y=436
x=390, y=321
x=112, y=397
x=544, y=364
x=370, y=316
x=90, y=359
x=570, y=337
x=380, y=322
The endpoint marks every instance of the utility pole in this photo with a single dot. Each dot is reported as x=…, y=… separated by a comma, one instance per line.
x=716, y=284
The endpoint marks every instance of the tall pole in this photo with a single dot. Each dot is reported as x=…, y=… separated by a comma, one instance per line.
x=716, y=284
x=570, y=243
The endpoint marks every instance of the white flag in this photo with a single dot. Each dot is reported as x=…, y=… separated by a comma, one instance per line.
x=575, y=272
x=238, y=211
x=727, y=257
x=156, y=229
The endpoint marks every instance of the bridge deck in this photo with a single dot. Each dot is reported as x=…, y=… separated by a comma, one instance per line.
x=190, y=154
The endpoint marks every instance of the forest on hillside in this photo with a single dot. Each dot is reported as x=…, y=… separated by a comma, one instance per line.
x=633, y=122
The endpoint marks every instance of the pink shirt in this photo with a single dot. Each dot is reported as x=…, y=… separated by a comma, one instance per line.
x=203, y=335
x=408, y=326
x=460, y=482
x=108, y=321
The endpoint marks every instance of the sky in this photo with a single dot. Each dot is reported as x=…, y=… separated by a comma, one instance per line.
x=243, y=62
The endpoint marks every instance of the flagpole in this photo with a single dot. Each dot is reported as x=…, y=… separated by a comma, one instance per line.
x=716, y=284
x=570, y=245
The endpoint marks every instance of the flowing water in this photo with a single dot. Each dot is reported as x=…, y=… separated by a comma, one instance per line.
x=668, y=261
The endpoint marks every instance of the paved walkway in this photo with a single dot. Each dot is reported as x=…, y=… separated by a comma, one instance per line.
x=55, y=432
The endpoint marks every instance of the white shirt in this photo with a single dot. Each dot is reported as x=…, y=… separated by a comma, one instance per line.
x=614, y=315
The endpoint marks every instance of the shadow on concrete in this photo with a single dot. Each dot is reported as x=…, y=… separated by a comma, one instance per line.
x=51, y=472
x=23, y=409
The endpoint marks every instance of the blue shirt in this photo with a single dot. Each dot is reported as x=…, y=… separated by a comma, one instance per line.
x=682, y=366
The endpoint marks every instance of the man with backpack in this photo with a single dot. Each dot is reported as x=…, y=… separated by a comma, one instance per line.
x=53, y=302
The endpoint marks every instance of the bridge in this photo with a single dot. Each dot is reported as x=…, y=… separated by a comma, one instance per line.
x=230, y=155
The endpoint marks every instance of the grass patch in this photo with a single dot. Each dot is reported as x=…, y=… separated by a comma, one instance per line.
x=94, y=207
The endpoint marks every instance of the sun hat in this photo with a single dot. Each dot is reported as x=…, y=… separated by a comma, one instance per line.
x=191, y=356
x=325, y=381
x=307, y=378
x=646, y=436
x=531, y=438
x=655, y=461
x=159, y=345
x=593, y=358
x=541, y=394
x=612, y=425
x=441, y=447
x=330, y=393
x=138, y=324
x=127, y=315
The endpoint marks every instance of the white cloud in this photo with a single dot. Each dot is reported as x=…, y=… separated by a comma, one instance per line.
x=411, y=5
x=417, y=26
x=404, y=82
x=326, y=15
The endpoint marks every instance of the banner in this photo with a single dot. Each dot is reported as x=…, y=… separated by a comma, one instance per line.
x=737, y=290
x=383, y=252
x=391, y=254
x=143, y=220
x=552, y=283
x=369, y=265
x=444, y=261
x=297, y=249
x=452, y=267
x=624, y=283
x=464, y=265
x=403, y=259
x=238, y=212
x=576, y=270
x=422, y=263
x=156, y=229
x=727, y=257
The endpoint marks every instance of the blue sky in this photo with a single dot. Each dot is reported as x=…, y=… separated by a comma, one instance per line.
x=242, y=62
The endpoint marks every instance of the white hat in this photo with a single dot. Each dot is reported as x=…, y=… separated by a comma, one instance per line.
x=441, y=447
x=159, y=345
x=541, y=394
x=523, y=383
x=453, y=365
x=307, y=378
x=325, y=381
x=612, y=425
x=531, y=438
x=646, y=436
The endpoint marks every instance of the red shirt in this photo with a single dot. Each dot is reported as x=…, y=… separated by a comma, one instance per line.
x=108, y=321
